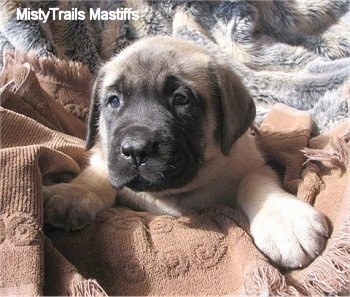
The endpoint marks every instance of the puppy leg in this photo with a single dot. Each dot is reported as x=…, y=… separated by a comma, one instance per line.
x=288, y=231
x=74, y=205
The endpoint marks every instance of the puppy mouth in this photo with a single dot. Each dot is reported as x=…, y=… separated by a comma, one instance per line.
x=175, y=175
x=172, y=177
x=175, y=167
x=140, y=184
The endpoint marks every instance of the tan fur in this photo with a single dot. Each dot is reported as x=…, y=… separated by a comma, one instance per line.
x=291, y=233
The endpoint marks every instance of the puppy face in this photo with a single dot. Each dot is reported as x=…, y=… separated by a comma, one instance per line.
x=158, y=107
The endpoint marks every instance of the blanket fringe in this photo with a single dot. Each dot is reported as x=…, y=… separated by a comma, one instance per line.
x=338, y=155
x=264, y=280
x=331, y=273
x=85, y=287
x=65, y=71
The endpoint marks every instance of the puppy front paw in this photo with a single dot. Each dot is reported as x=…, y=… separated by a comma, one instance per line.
x=289, y=232
x=69, y=206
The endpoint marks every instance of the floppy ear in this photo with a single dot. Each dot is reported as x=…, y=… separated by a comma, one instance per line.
x=237, y=107
x=94, y=114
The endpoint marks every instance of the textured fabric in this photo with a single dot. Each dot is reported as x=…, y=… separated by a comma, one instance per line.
x=301, y=60
x=135, y=253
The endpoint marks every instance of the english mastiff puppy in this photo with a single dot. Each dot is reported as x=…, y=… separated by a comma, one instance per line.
x=168, y=134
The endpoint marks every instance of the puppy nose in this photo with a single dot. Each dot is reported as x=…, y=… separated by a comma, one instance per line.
x=137, y=151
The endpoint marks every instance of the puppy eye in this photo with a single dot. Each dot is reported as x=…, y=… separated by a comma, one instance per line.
x=180, y=99
x=114, y=101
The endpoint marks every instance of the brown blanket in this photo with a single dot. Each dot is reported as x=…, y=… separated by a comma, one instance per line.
x=124, y=252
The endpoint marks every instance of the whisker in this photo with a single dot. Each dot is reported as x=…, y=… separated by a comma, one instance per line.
x=162, y=175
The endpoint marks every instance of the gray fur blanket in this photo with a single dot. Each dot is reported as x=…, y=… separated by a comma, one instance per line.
x=293, y=52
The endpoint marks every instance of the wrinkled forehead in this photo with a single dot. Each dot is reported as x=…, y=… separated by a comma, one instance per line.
x=146, y=66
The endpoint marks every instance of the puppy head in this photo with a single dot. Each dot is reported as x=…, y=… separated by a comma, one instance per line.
x=157, y=106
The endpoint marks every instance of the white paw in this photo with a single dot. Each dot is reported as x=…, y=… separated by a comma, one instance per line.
x=69, y=206
x=289, y=232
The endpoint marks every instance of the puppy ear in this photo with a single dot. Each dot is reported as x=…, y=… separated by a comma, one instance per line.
x=237, y=107
x=94, y=114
